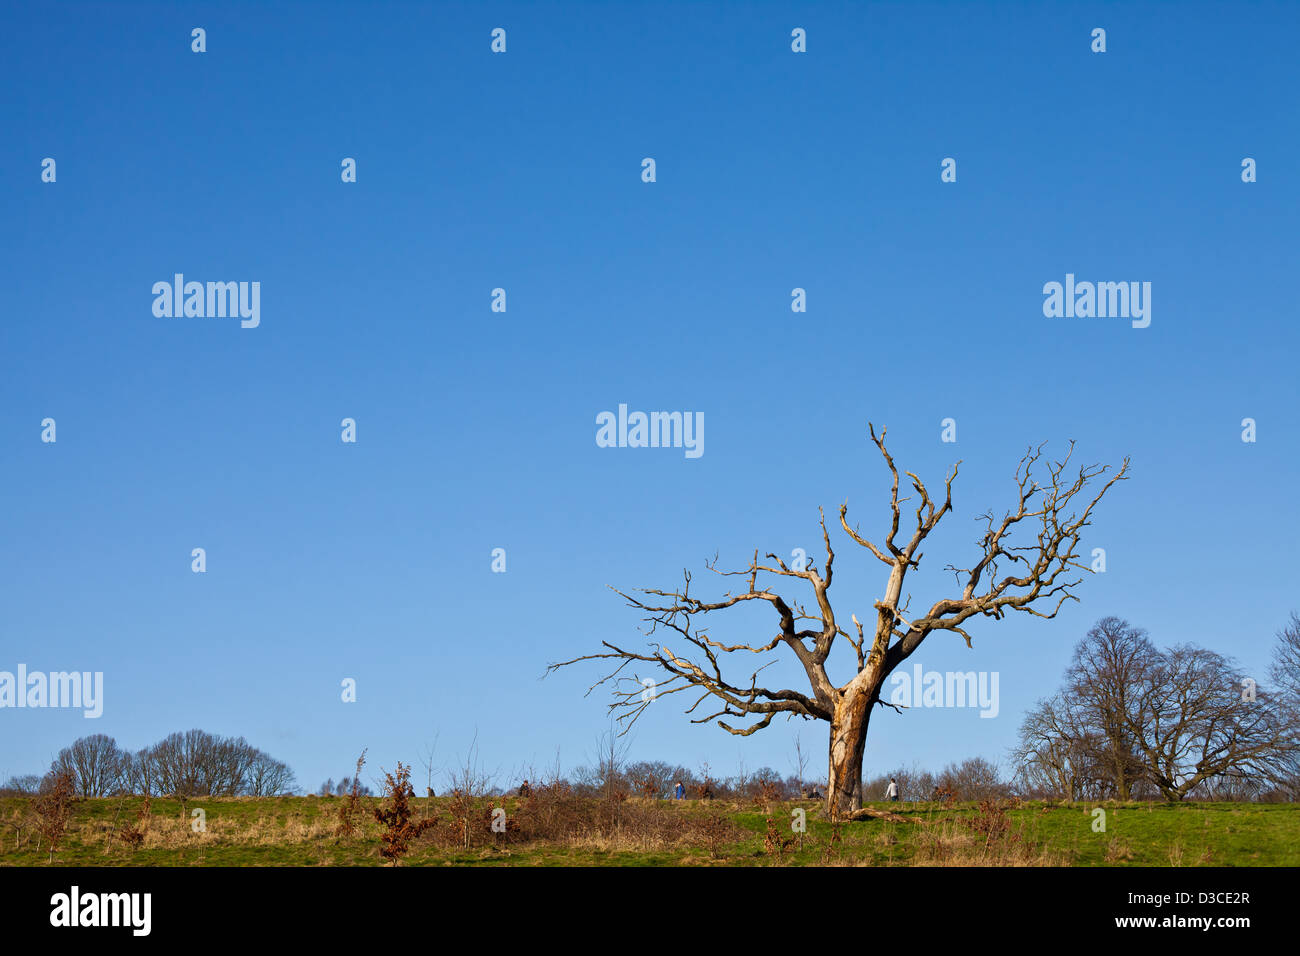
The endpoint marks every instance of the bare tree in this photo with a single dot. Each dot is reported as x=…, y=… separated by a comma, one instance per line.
x=1036, y=578
x=467, y=785
x=24, y=785
x=141, y=772
x=1191, y=724
x=96, y=764
x=1107, y=664
x=1057, y=753
x=914, y=785
x=1285, y=676
x=268, y=777
x=427, y=761
x=800, y=763
x=1134, y=721
x=975, y=778
x=197, y=763
x=651, y=778
x=469, y=776
x=609, y=775
x=1285, y=669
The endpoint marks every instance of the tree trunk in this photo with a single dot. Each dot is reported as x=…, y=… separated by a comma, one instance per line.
x=1120, y=762
x=847, y=744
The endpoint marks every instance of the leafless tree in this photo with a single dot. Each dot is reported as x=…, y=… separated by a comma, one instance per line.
x=197, y=763
x=1034, y=578
x=24, y=785
x=140, y=772
x=348, y=785
x=914, y=785
x=611, y=757
x=975, y=778
x=800, y=764
x=429, y=768
x=470, y=778
x=764, y=782
x=1057, y=754
x=652, y=777
x=1285, y=670
x=1192, y=724
x=96, y=764
x=1285, y=676
x=468, y=783
x=1107, y=664
x=268, y=777
x=1134, y=721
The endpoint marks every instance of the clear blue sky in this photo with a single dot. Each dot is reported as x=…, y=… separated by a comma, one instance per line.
x=476, y=429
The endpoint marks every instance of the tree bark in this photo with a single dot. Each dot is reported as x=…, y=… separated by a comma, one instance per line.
x=847, y=744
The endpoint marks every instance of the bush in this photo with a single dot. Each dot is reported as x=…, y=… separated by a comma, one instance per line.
x=399, y=828
x=53, y=809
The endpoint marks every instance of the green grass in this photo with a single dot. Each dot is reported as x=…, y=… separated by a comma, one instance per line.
x=298, y=831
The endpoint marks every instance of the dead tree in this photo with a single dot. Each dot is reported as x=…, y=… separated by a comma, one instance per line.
x=1004, y=577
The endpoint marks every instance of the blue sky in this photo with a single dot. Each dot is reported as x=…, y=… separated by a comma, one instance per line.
x=775, y=170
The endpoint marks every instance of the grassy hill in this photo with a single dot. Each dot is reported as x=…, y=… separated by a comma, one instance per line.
x=560, y=830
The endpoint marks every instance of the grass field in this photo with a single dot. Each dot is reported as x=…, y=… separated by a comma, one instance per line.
x=301, y=831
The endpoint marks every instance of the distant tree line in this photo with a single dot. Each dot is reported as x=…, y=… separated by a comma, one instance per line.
x=1131, y=721
x=188, y=763
x=344, y=787
x=974, y=779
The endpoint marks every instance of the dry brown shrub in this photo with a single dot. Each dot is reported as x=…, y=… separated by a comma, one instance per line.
x=647, y=787
x=768, y=794
x=511, y=824
x=713, y=830
x=348, y=813
x=774, y=844
x=1118, y=851
x=555, y=814
x=834, y=844
x=399, y=828
x=991, y=822
x=950, y=843
x=132, y=834
x=53, y=810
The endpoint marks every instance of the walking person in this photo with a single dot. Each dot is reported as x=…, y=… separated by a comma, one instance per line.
x=891, y=792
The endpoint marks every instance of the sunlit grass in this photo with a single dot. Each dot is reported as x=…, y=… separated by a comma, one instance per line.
x=299, y=831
